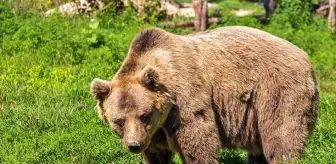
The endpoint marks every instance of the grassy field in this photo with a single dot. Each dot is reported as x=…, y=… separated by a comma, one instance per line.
x=47, y=114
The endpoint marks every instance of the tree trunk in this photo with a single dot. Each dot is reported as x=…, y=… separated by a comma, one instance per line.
x=269, y=6
x=197, y=20
x=204, y=16
x=201, y=14
x=332, y=15
x=322, y=9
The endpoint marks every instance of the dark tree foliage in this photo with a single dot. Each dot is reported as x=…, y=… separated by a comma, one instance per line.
x=297, y=12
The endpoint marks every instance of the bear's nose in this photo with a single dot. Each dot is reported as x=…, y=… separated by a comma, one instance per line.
x=134, y=146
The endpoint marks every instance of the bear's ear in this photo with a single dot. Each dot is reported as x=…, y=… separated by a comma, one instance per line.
x=100, y=88
x=148, y=77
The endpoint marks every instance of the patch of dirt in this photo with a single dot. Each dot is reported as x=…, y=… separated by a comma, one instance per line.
x=242, y=12
x=185, y=9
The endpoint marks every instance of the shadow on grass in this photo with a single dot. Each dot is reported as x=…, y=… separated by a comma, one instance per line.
x=227, y=157
x=233, y=157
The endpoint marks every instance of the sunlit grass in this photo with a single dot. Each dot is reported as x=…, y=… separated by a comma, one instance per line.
x=47, y=114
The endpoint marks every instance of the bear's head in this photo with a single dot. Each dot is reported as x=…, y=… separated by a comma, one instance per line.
x=136, y=102
x=135, y=106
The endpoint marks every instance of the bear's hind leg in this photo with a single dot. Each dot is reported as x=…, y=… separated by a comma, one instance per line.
x=284, y=143
x=277, y=150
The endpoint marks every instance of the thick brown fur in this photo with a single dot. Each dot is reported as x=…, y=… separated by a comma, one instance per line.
x=235, y=87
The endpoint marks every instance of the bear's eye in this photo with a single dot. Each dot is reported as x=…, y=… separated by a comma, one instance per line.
x=119, y=122
x=146, y=117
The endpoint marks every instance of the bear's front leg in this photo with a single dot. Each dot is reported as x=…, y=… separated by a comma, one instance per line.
x=158, y=151
x=199, y=142
x=158, y=157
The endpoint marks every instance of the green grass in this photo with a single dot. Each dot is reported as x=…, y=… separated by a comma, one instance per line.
x=228, y=6
x=257, y=8
x=47, y=114
x=183, y=1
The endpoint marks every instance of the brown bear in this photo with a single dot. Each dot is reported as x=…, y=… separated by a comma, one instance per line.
x=234, y=87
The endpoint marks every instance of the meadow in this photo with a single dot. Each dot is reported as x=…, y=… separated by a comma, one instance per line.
x=47, y=114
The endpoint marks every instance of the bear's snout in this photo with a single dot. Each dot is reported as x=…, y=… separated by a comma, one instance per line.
x=134, y=146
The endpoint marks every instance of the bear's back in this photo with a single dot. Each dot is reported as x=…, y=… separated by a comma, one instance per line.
x=248, y=41
x=247, y=52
